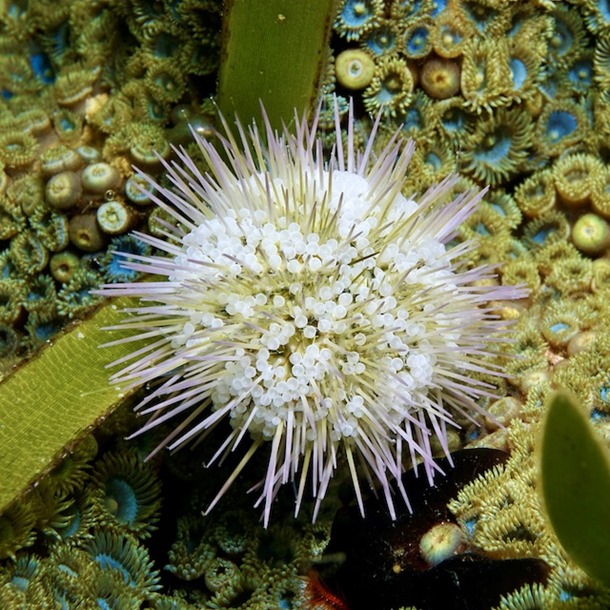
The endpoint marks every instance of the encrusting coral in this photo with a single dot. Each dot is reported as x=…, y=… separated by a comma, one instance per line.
x=71, y=540
x=55, y=112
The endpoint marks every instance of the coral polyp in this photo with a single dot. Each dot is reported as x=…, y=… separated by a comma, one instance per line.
x=391, y=88
x=356, y=17
x=312, y=305
x=128, y=493
x=354, y=69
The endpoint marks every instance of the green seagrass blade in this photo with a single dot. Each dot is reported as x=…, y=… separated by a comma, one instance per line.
x=575, y=477
x=273, y=52
x=50, y=401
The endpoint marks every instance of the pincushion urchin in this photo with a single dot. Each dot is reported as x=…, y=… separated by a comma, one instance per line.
x=308, y=301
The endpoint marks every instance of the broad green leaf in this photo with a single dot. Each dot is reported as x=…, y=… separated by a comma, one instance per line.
x=273, y=52
x=575, y=477
x=54, y=398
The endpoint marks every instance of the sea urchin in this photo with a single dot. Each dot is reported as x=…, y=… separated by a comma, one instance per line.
x=307, y=300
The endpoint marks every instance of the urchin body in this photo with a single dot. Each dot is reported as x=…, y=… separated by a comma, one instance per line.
x=312, y=304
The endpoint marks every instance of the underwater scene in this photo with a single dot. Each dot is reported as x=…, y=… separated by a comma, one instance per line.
x=305, y=306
